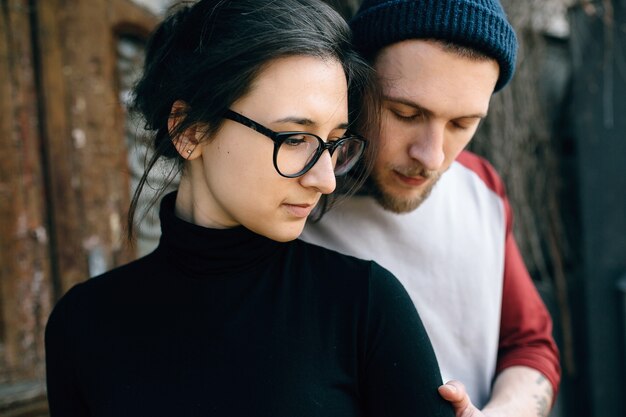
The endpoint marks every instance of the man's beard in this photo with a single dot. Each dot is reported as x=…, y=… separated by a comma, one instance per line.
x=396, y=204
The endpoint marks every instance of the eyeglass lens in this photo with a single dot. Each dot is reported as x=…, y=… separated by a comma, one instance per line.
x=347, y=155
x=297, y=152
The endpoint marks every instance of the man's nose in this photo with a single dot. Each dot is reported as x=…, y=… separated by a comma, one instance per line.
x=427, y=146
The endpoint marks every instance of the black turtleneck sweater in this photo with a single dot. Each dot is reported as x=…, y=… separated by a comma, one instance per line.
x=230, y=323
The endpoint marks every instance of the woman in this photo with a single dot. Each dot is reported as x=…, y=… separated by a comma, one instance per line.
x=230, y=316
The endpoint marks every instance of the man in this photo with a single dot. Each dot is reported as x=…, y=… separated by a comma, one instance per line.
x=437, y=216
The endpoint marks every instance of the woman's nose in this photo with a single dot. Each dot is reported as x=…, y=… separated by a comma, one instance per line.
x=321, y=176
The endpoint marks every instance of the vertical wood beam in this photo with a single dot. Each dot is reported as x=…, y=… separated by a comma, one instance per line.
x=598, y=108
x=86, y=150
x=24, y=257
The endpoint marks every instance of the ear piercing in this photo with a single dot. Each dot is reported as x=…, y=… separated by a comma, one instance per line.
x=189, y=151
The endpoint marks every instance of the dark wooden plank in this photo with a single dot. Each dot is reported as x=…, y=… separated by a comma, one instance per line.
x=24, y=258
x=87, y=161
x=598, y=122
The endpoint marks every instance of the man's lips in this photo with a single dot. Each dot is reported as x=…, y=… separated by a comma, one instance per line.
x=412, y=181
x=299, y=210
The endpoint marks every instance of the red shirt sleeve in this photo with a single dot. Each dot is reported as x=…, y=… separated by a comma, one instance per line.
x=525, y=324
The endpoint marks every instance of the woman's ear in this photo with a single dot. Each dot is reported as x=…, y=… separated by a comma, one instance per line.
x=185, y=142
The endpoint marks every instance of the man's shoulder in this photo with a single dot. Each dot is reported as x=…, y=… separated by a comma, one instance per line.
x=484, y=170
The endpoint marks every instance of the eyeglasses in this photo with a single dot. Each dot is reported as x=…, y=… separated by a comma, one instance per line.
x=295, y=153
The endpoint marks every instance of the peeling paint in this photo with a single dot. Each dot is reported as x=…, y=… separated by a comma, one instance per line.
x=21, y=228
x=97, y=261
x=116, y=230
x=96, y=256
x=80, y=105
x=75, y=181
x=40, y=234
x=91, y=242
x=80, y=138
x=155, y=6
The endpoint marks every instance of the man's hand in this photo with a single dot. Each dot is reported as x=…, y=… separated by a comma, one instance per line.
x=454, y=392
x=518, y=391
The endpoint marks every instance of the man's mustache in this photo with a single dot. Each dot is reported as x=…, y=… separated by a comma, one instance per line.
x=416, y=171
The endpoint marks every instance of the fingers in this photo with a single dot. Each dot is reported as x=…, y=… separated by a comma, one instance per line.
x=454, y=392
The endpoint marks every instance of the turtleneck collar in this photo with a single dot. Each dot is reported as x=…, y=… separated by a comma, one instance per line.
x=203, y=252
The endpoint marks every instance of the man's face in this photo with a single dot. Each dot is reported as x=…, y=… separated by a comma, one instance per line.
x=433, y=102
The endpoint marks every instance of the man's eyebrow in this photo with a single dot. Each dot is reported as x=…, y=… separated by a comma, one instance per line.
x=307, y=122
x=426, y=111
x=408, y=103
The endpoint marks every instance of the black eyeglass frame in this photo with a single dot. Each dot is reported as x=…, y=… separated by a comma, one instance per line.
x=279, y=137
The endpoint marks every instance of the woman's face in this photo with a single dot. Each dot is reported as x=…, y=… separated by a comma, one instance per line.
x=232, y=177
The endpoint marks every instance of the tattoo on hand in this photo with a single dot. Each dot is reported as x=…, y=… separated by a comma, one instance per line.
x=542, y=406
x=540, y=379
x=543, y=403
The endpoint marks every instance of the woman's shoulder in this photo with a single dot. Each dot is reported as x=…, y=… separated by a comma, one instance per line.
x=314, y=255
x=344, y=266
x=107, y=287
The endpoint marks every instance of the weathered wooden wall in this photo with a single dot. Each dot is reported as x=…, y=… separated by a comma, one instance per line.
x=25, y=273
x=84, y=131
x=64, y=185
x=597, y=116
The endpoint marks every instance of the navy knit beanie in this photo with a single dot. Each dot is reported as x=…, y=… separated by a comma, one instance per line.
x=478, y=24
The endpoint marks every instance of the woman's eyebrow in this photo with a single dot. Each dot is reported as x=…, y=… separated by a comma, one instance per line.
x=307, y=122
x=297, y=120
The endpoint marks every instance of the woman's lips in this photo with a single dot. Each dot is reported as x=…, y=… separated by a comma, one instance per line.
x=299, y=210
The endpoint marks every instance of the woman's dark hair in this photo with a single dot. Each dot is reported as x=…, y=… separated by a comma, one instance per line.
x=208, y=53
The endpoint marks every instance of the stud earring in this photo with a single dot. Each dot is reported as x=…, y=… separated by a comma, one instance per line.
x=189, y=151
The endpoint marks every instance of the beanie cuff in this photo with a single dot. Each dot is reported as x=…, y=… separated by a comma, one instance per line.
x=466, y=23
